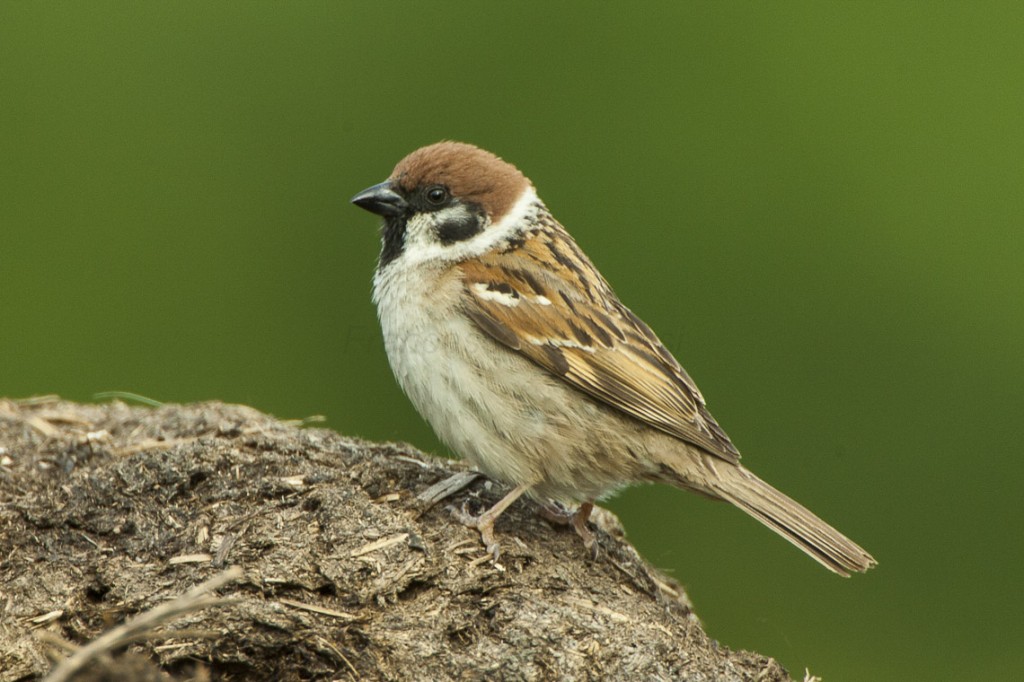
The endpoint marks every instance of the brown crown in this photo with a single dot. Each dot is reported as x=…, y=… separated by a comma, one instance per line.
x=470, y=174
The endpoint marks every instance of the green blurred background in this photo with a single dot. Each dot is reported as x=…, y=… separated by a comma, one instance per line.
x=818, y=206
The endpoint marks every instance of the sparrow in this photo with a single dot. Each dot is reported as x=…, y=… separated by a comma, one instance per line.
x=510, y=343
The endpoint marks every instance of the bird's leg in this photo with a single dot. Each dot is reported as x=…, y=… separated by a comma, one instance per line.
x=578, y=521
x=484, y=523
x=579, y=524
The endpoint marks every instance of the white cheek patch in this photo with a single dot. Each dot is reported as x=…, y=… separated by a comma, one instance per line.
x=419, y=232
x=422, y=245
x=450, y=213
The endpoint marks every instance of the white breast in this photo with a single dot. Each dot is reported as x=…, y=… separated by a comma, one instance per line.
x=438, y=358
x=506, y=415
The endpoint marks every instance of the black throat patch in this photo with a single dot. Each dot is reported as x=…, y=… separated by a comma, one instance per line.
x=392, y=239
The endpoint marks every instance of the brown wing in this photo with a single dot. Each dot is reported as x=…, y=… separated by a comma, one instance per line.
x=543, y=298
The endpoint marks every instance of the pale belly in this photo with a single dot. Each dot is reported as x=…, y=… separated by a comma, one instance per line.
x=504, y=414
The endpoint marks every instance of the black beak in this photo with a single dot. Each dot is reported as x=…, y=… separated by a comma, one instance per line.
x=381, y=199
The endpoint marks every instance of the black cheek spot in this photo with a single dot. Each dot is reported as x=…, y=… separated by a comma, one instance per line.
x=459, y=228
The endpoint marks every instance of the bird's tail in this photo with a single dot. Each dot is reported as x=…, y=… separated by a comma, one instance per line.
x=788, y=518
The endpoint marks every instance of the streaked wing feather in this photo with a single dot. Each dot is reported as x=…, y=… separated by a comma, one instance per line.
x=545, y=300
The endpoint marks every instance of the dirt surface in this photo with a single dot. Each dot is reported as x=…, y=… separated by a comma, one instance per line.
x=107, y=511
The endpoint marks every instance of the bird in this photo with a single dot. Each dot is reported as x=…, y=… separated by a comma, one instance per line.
x=515, y=349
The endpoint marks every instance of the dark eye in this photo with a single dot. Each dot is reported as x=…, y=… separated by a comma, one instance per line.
x=437, y=195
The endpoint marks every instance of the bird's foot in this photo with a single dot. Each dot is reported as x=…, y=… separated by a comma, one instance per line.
x=482, y=524
x=555, y=513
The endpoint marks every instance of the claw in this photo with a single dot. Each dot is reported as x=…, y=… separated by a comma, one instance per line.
x=484, y=523
x=578, y=520
x=462, y=515
x=555, y=513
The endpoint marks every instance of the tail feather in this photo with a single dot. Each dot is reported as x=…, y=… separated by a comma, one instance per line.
x=791, y=520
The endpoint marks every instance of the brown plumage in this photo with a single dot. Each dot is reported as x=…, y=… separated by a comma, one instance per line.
x=467, y=171
x=537, y=373
x=572, y=324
